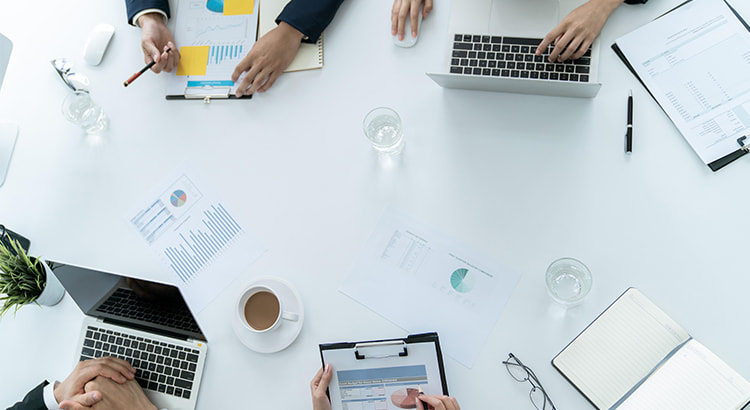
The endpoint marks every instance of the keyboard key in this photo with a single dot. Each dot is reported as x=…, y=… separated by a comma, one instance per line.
x=476, y=39
x=501, y=64
x=534, y=74
x=486, y=71
x=553, y=76
x=563, y=76
x=522, y=41
x=505, y=73
x=483, y=63
x=569, y=68
x=524, y=74
x=462, y=46
x=492, y=64
x=544, y=75
x=528, y=57
x=496, y=39
x=472, y=54
x=457, y=37
x=496, y=73
x=485, y=39
x=456, y=70
x=490, y=56
x=467, y=38
x=487, y=47
x=185, y=394
x=473, y=63
x=478, y=47
x=459, y=53
x=582, y=69
x=515, y=73
x=583, y=78
x=153, y=386
x=574, y=77
x=184, y=384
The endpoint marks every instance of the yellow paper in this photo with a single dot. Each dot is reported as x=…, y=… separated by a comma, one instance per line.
x=193, y=60
x=238, y=7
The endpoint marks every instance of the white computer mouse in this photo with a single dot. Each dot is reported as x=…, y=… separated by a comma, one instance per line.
x=408, y=40
x=97, y=43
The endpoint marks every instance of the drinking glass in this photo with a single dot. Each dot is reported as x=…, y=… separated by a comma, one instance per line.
x=80, y=109
x=568, y=281
x=382, y=127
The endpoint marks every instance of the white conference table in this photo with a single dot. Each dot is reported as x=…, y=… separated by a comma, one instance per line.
x=523, y=179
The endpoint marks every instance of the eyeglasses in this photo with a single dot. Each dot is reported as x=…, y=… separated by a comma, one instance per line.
x=76, y=82
x=521, y=373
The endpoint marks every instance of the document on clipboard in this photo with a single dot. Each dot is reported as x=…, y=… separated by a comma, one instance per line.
x=213, y=36
x=384, y=374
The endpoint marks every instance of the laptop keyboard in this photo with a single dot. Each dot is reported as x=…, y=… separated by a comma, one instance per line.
x=513, y=57
x=160, y=366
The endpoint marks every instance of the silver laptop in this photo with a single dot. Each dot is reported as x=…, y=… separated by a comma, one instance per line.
x=492, y=44
x=145, y=323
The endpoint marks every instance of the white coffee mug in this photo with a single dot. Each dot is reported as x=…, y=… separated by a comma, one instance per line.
x=261, y=310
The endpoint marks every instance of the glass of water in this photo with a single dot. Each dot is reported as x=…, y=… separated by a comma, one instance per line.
x=568, y=281
x=382, y=127
x=80, y=109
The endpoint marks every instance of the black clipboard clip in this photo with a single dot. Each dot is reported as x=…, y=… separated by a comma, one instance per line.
x=744, y=146
x=387, y=345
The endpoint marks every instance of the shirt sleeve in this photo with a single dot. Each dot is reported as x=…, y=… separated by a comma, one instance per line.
x=310, y=17
x=49, y=396
x=635, y=1
x=136, y=6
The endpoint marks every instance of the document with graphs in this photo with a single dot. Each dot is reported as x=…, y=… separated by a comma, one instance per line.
x=423, y=280
x=694, y=61
x=213, y=36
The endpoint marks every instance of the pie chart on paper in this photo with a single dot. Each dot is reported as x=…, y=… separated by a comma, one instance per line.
x=462, y=280
x=405, y=398
x=178, y=198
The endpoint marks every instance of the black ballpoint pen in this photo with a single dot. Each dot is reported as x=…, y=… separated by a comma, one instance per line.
x=629, y=132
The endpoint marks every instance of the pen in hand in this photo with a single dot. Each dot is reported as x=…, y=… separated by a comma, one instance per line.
x=629, y=132
x=143, y=70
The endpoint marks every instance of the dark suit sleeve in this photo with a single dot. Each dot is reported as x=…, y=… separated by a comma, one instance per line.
x=34, y=400
x=310, y=17
x=635, y=1
x=136, y=6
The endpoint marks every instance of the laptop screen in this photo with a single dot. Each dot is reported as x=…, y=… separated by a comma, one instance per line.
x=135, y=303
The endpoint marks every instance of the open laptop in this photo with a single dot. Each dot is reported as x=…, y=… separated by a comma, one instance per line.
x=492, y=44
x=145, y=323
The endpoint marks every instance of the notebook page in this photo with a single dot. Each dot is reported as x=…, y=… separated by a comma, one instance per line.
x=693, y=379
x=619, y=348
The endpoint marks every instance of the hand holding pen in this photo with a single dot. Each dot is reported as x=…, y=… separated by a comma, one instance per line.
x=425, y=402
x=144, y=69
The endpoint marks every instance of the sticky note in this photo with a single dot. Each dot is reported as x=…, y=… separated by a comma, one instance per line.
x=193, y=60
x=238, y=7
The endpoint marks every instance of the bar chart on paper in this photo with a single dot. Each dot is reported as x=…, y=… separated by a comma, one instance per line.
x=199, y=245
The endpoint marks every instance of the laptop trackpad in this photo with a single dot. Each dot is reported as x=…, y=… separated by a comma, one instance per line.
x=524, y=18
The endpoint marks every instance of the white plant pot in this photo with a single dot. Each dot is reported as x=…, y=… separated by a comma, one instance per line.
x=53, y=291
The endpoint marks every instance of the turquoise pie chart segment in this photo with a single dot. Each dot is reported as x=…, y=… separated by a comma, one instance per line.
x=178, y=198
x=462, y=281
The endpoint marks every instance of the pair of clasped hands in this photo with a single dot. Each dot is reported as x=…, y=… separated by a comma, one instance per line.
x=572, y=37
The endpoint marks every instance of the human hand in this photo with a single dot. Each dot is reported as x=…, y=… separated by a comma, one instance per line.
x=575, y=33
x=127, y=396
x=318, y=387
x=436, y=403
x=408, y=8
x=72, y=389
x=155, y=40
x=268, y=58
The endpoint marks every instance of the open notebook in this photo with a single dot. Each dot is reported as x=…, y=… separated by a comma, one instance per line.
x=309, y=56
x=634, y=357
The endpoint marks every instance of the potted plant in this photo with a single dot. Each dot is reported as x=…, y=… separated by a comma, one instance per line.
x=25, y=279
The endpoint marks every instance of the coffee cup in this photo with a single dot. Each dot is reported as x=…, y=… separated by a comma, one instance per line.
x=261, y=310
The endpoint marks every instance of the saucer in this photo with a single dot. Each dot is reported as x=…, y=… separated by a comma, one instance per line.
x=281, y=337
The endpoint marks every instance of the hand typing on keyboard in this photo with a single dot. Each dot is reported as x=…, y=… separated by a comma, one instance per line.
x=575, y=33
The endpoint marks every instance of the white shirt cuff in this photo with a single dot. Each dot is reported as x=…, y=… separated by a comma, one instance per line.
x=142, y=12
x=49, y=396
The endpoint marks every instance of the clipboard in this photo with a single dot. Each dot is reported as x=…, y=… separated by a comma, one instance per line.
x=743, y=147
x=385, y=374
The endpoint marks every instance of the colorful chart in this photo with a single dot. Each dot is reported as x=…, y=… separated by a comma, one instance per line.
x=178, y=198
x=405, y=398
x=462, y=281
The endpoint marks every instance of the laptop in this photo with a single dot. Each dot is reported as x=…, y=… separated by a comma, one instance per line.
x=492, y=45
x=145, y=323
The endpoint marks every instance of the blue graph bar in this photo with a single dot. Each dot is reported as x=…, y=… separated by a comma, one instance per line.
x=198, y=247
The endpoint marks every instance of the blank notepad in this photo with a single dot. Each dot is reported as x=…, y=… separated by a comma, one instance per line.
x=632, y=353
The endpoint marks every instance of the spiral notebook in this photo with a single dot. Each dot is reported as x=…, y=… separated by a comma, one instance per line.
x=309, y=56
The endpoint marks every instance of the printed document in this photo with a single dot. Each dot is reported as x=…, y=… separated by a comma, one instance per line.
x=422, y=280
x=695, y=61
x=197, y=238
x=213, y=37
